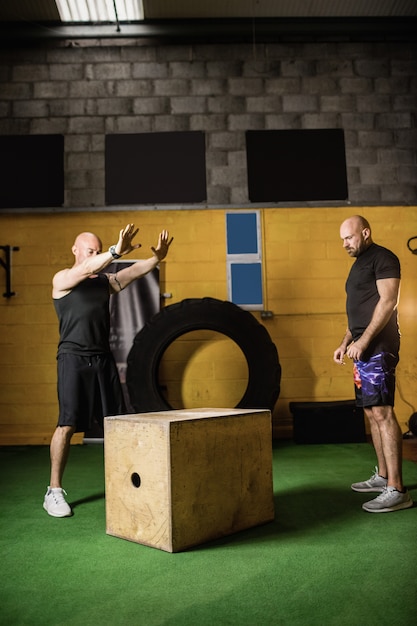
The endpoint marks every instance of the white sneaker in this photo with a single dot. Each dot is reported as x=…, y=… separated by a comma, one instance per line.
x=55, y=504
x=375, y=483
x=389, y=500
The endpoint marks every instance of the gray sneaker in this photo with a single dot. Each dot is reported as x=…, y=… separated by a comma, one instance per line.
x=389, y=500
x=375, y=483
x=55, y=504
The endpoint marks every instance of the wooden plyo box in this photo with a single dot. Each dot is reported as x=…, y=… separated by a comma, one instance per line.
x=176, y=479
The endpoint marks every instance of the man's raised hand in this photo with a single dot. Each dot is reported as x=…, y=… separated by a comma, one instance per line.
x=162, y=247
x=126, y=235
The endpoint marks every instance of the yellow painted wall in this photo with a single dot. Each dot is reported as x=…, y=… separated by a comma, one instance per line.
x=305, y=270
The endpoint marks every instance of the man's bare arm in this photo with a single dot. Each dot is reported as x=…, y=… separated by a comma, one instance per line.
x=140, y=268
x=68, y=278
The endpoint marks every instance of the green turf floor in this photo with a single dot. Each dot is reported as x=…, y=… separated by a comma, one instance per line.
x=323, y=561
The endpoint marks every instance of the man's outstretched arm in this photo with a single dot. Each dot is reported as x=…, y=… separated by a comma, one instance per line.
x=94, y=261
x=124, y=277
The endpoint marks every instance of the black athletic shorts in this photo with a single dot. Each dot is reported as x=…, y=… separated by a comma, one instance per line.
x=88, y=389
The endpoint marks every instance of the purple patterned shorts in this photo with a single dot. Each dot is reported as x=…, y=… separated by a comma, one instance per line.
x=375, y=380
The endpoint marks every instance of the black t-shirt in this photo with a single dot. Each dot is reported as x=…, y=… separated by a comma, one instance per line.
x=84, y=318
x=373, y=264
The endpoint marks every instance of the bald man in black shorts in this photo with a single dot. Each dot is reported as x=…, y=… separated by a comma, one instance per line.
x=88, y=381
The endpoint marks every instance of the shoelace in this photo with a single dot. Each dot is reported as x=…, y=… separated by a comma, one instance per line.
x=375, y=474
x=59, y=496
x=386, y=493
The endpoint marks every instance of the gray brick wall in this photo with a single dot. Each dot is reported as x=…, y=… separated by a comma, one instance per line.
x=85, y=91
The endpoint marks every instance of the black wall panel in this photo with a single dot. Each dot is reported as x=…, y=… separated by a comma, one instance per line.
x=296, y=165
x=149, y=168
x=32, y=171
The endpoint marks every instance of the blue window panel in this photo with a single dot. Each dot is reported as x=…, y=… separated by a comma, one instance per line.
x=242, y=233
x=246, y=279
